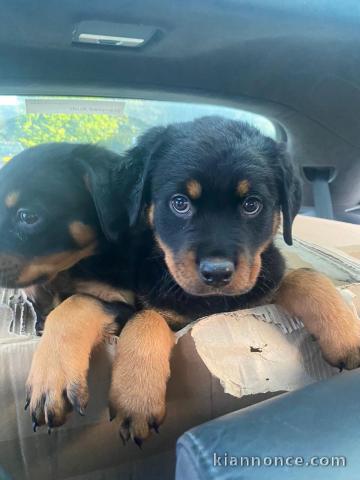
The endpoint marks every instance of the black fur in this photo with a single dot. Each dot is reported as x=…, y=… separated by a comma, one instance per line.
x=218, y=153
x=64, y=183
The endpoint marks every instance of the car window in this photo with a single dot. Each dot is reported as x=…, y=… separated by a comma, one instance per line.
x=114, y=123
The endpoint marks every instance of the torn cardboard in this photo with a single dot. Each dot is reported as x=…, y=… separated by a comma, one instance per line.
x=261, y=350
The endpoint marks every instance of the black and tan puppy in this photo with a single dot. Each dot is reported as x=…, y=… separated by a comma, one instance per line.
x=54, y=210
x=210, y=197
x=58, y=229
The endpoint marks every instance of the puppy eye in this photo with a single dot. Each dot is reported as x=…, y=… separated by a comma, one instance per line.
x=180, y=205
x=251, y=206
x=27, y=217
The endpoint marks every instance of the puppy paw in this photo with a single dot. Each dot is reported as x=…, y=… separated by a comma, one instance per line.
x=344, y=355
x=54, y=388
x=351, y=359
x=140, y=373
x=312, y=297
x=57, y=382
x=139, y=406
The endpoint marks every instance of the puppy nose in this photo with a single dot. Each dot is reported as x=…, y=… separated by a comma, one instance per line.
x=216, y=272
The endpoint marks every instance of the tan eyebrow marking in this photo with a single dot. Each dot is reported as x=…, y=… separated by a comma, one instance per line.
x=243, y=187
x=11, y=199
x=194, y=189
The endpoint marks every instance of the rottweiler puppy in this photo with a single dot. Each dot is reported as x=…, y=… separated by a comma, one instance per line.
x=58, y=238
x=205, y=198
x=209, y=201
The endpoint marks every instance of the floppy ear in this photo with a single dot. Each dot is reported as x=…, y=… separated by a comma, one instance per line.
x=98, y=168
x=141, y=159
x=290, y=191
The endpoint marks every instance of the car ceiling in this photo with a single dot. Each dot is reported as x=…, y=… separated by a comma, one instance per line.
x=296, y=61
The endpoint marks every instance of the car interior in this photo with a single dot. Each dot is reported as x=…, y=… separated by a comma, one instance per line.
x=292, y=69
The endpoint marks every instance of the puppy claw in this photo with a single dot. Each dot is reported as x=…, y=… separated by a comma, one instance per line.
x=112, y=413
x=34, y=426
x=78, y=396
x=155, y=427
x=81, y=411
x=124, y=430
x=138, y=442
x=48, y=410
x=27, y=403
x=124, y=435
x=50, y=420
x=352, y=360
x=347, y=361
x=138, y=428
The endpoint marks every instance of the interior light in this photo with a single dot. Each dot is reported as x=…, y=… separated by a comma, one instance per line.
x=112, y=34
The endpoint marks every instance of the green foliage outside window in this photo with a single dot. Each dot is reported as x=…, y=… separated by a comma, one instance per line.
x=33, y=129
x=21, y=129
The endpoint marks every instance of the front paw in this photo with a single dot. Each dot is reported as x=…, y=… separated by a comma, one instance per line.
x=138, y=406
x=340, y=345
x=351, y=359
x=56, y=385
x=345, y=356
x=140, y=373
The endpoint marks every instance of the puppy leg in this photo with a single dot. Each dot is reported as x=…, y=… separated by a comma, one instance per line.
x=140, y=373
x=312, y=297
x=58, y=376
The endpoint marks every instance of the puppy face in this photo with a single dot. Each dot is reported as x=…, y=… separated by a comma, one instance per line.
x=216, y=191
x=48, y=217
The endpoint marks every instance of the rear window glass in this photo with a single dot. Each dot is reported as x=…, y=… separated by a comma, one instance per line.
x=111, y=122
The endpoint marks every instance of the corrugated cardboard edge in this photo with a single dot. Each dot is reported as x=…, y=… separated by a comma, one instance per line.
x=263, y=349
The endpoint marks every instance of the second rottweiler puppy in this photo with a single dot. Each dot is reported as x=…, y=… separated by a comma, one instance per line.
x=59, y=230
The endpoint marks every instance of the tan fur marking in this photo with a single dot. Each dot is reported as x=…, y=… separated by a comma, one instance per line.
x=243, y=188
x=81, y=233
x=52, y=264
x=140, y=373
x=150, y=215
x=194, y=189
x=104, y=292
x=185, y=272
x=61, y=361
x=246, y=275
x=56, y=300
x=313, y=298
x=276, y=223
x=12, y=199
x=173, y=319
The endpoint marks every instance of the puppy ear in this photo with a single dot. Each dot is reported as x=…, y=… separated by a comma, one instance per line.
x=98, y=170
x=290, y=191
x=112, y=215
x=141, y=159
